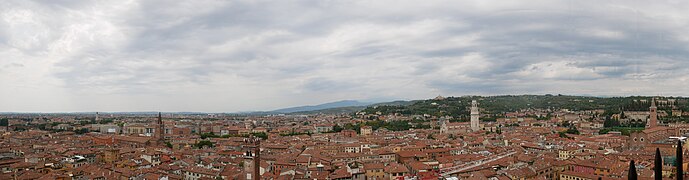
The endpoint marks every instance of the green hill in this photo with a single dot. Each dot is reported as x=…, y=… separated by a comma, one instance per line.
x=458, y=106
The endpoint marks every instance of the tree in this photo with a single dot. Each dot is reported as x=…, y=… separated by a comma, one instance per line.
x=168, y=144
x=105, y=121
x=609, y=122
x=355, y=127
x=202, y=144
x=4, y=122
x=622, y=115
x=261, y=135
x=563, y=135
x=337, y=128
x=81, y=131
x=680, y=170
x=208, y=135
x=512, y=125
x=632, y=171
x=658, y=166
x=572, y=130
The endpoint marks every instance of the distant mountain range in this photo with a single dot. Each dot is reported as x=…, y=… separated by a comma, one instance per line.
x=331, y=105
x=503, y=103
x=337, y=107
x=353, y=109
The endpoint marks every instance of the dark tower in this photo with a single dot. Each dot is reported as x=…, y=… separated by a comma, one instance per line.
x=160, y=133
x=255, y=144
x=257, y=160
x=658, y=166
x=680, y=171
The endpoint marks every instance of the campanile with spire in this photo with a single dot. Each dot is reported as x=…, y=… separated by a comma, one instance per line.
x=653, y=115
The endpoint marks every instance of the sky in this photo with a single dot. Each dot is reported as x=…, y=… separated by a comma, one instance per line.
x=247, y=55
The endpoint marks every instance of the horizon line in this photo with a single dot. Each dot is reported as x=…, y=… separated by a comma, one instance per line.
x=272, y=112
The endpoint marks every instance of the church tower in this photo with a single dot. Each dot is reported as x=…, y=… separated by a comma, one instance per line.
x=252, y=158
x=160, y=132
x=474, y=116
x=653, y=115
x=443, y=125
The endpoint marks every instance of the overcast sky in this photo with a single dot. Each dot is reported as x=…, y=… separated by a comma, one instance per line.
x=228, y=56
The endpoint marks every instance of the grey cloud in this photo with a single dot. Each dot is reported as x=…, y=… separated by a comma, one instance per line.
x=447, y=52
x=483, y=87
x=325, y=85
x=357, y=49
x=14, y=65
x=513, y=50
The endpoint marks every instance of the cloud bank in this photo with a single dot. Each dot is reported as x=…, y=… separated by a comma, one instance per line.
x=226, y=56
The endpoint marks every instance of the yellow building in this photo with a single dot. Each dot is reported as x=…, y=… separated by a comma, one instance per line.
x=570, y=175
x=366, y=130
x=395, y=171
x=375, y=171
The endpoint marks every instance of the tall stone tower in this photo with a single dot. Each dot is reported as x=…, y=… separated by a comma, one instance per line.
x=474, y=116
x=653, y=115
x=443, y=125
x=252, y=159
x=160, y=132
x=248, y=166
x=111, y=156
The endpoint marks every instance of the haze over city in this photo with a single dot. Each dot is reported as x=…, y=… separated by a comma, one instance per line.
x=229, y=56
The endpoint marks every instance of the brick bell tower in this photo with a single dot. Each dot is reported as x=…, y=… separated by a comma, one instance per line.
x=160, y=132
x=653, y=115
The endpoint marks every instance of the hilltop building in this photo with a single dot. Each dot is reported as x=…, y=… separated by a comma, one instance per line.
x=366, y=130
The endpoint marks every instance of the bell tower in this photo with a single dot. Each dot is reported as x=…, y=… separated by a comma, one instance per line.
x=160, y=132
x=474, y=116
x=653, y=115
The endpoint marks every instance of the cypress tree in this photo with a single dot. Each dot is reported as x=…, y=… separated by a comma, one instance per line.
x=680, y=173
x=632, y=171
x=658, y=168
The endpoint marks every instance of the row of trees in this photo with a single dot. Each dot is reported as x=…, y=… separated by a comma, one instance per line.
x=4, y=122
